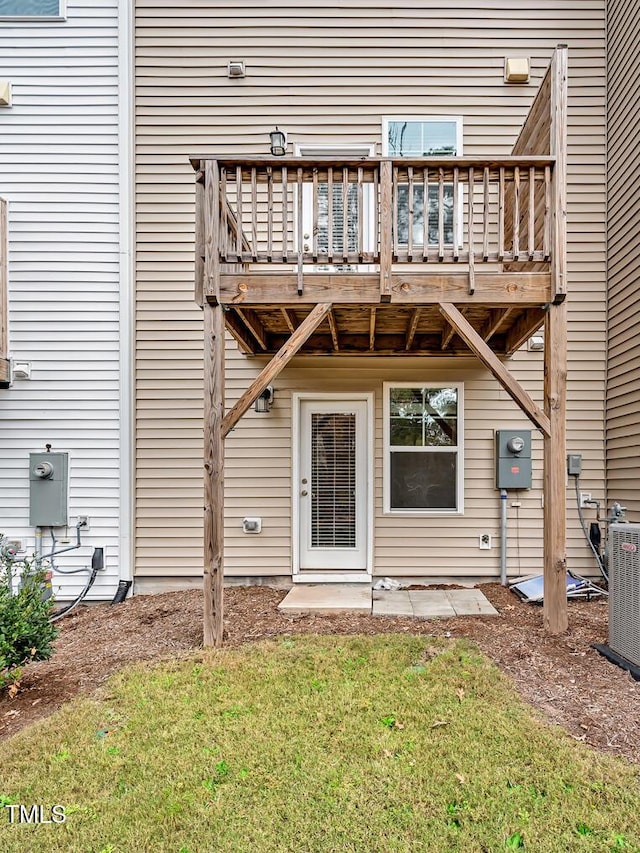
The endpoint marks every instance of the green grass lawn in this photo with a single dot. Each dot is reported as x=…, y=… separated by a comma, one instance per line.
x=376, y=744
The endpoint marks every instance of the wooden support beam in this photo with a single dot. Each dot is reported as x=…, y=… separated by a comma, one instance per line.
x=449, y=332
x=372, y=328
x=279, y=288
x=277, y=363
x=240, y=332
x=213, y=474
x=411, y=329
x=200, y=237
x=558, y=142
x=333, y=327
x=289, y=319
x=252, y=322
x=554, y=614
x=491, y=361
x=497, y=317
x=490, y=288
x=529, y=323
x=212, y=231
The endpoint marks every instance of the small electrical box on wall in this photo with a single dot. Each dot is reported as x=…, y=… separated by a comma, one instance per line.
x=513, y=459
x=48, y=489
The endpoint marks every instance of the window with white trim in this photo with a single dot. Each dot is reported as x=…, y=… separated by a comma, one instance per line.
x=26, y=10
x=423, y=441
x=423, y=136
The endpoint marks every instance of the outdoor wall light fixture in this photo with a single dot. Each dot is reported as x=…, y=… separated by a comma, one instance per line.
x=278, y=142
x=535, y=343
x=265, y=400
x=236, y=69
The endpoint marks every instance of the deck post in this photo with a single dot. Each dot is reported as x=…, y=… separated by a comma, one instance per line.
x=385, y=218
x=555, y=615
x=213, y=414
x=213, y=473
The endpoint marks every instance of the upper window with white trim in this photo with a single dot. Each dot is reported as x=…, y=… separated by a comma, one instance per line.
x=27, y=10
x=423, y=136
x=423, y=439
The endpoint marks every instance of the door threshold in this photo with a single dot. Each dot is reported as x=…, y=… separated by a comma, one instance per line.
x=331, y=577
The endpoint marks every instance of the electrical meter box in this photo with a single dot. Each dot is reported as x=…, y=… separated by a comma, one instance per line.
x=513, y=459
x=48, y=489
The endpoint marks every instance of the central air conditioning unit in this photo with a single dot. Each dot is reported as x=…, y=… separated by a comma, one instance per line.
x=624, y=591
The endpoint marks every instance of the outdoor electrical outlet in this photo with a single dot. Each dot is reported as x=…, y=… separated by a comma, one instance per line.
x=485, y=541
x=83, y=521
x=585, y=497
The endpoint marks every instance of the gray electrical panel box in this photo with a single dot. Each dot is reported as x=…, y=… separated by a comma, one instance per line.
x=48, y=489
x=513, y=459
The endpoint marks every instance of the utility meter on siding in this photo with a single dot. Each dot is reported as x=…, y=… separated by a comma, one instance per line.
x=48, y=489
x=513, y=458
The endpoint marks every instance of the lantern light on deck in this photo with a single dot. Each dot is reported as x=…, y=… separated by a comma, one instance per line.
x=278, y=142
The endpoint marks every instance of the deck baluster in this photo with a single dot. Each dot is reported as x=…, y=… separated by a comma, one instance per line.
x=269, y=214
x=516, y=213
x=239, y=213
x=285, y=216
x=440, y=214
x=472, y=278
x=532, y=212
x=456, y=213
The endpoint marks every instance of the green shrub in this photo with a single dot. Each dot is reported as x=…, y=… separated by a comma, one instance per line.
x=26, y=632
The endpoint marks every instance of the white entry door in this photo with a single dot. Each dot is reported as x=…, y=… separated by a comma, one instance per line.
x=332, y=489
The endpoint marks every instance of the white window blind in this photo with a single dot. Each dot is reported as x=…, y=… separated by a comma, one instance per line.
x=333, y=480
x=337, y=212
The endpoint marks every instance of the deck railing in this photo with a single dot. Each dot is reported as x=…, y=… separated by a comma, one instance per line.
x=347, y=213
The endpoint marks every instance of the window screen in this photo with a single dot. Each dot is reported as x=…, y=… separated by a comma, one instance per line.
x=31, y=9
x=423, y=446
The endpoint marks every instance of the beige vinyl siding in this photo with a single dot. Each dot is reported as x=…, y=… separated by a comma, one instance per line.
x=327, y=74
x=623, y=265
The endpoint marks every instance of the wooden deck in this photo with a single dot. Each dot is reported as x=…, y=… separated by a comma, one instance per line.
x=485, y=244
x=380, y=256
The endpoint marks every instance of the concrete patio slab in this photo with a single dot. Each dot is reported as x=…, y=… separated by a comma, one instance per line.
x=360, y=598
x=327, y=598
x=470, y=602
x=431, y=604
x=396, y=604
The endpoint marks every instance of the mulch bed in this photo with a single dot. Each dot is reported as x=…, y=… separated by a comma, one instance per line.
x=563, y=678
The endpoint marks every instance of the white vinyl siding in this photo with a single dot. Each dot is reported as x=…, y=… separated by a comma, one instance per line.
x=60, y=171
x=327, y=75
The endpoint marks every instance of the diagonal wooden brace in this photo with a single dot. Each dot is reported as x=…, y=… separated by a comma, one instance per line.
x=277, y=363
x=491, y=361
